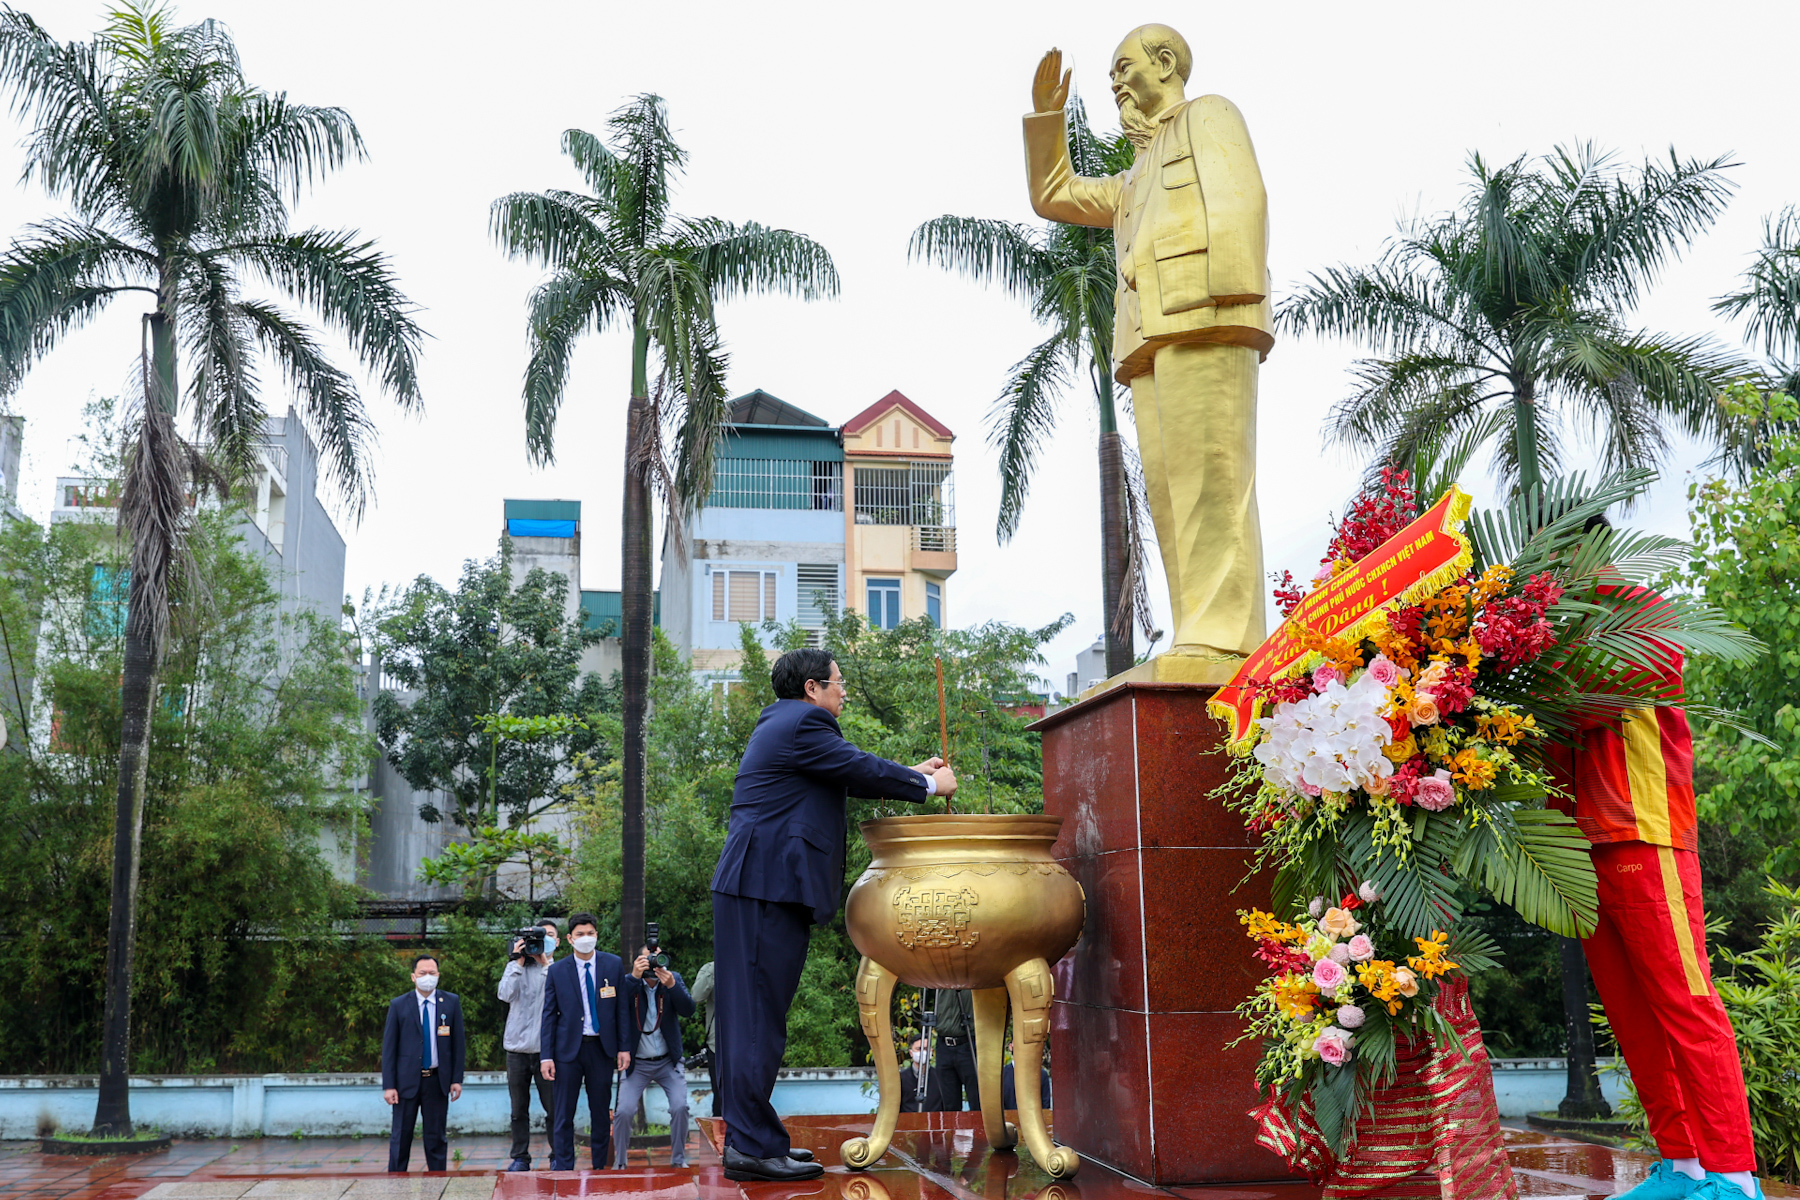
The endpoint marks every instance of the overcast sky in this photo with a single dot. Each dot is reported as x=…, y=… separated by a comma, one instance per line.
x=854, y=123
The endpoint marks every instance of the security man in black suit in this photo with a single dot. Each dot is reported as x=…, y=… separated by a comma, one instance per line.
x=422, y=1054
x=782, y=871
x=582, y=1040
x=956, y=1075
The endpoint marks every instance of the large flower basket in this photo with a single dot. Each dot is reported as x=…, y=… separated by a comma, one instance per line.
x=1433, y=1133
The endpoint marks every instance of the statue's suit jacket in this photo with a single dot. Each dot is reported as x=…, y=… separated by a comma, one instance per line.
x=1190, y=221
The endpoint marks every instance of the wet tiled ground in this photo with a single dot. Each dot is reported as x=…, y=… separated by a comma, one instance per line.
x=934, y=1157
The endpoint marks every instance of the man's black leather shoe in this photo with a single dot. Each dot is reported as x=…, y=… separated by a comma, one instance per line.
x=799, y=1155
x=741, y=1166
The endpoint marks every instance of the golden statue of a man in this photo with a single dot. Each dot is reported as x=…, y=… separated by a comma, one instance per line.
x=1190, y=221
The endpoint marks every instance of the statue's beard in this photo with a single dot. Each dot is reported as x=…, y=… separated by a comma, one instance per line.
x=1139, y=129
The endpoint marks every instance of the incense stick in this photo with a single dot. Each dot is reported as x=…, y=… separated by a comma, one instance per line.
x=943, y=723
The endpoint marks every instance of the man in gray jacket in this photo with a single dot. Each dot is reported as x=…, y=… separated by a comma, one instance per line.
x=522, y=988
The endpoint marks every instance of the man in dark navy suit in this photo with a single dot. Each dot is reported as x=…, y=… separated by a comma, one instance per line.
x=422, y=1056
x=582, y=1040
x=781, y=872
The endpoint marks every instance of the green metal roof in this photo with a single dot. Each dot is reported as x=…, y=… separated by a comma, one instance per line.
x=760, y=408
x=543, y=510
x=605, y=611
x=791, y=443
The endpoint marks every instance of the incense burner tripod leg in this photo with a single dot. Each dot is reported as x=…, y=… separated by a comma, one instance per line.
x=874, y=1005
x=990, y=1064
x=1030, y=987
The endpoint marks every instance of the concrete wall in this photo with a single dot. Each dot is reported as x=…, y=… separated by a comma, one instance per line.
x=341, y=1105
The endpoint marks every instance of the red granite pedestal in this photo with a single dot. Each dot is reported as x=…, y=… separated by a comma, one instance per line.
x=1141, y=1076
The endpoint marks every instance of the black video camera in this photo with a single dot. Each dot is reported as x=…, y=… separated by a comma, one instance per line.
x=653, y=945
x=533, y=939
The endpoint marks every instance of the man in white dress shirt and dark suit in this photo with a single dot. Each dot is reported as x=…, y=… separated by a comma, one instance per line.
x=422, y=1054
x=581, y=1042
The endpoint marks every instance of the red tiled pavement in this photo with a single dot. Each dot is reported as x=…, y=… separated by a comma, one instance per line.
x=935, y=1156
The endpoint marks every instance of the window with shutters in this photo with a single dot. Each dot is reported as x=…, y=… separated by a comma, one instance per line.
x=818, y=586
x=741, y=596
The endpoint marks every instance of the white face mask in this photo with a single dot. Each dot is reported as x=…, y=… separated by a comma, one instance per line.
x=585, y=943
x=919, y=1056
x=426, y=983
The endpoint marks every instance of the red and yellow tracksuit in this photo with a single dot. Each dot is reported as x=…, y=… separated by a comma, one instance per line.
x=1633, y=791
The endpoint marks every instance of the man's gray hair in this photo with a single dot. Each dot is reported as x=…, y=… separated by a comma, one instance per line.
x=1154, y=38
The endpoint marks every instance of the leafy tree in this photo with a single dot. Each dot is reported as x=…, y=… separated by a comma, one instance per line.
x=490, y=657
x=1067, y=275
x=1747, y=562
x=1512, y=309
x=179, y=174
x=240, y=964
x=619, y=256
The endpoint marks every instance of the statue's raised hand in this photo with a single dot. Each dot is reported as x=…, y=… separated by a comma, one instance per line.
x=1050, y=88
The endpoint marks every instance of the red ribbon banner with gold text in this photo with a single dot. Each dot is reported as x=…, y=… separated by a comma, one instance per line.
x=1424, y=557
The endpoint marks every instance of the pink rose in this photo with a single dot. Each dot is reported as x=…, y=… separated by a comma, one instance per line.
x=1424, y=710
x=1340, y=954
x=1311, y=789
x=1406, y=981
x=1350, y=1016
x=1333, y=1046
x=1324, y=677
x=1329, y=975
x=1434, y=792
x=1384, y=671
x=1361, y=949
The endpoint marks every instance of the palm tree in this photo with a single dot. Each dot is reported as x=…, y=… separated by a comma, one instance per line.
x=1514, y=304
x=1066, y=274
x=619, y=257
x=179, y=175
x=1491, y=319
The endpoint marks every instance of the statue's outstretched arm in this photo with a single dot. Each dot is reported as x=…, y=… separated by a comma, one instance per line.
x=1057, y=192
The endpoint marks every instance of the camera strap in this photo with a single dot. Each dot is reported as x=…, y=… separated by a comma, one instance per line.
x=656, y=1024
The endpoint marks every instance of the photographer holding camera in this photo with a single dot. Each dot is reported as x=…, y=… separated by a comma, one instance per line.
x=655, y=1002
x=522, y=990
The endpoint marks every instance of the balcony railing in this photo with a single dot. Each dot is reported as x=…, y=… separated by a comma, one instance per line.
x=777, y=483
x=921, y=494
x=938, y=538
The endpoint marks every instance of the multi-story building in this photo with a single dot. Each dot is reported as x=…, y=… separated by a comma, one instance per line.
x=805, y=517
x=546, y=534
x=285, y=524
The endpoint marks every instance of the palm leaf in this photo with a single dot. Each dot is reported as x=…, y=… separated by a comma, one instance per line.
x=1020, y=423
x=1537, y=862
x=1418, y=894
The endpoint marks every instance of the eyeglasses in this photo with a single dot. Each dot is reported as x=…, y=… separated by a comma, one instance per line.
x=842, y=683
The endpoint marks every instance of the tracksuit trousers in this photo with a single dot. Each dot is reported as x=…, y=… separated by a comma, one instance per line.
x=1649, y=961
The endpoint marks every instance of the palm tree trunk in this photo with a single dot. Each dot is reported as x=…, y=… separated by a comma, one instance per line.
x=636, y=616
x=143, y=653
x=1115, y=555
x=112, y=1114
x=1113, y=552
x=1582, y=1097
x=1526, y=435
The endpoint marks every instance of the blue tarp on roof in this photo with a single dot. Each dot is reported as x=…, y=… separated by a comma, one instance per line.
x=533, y=527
